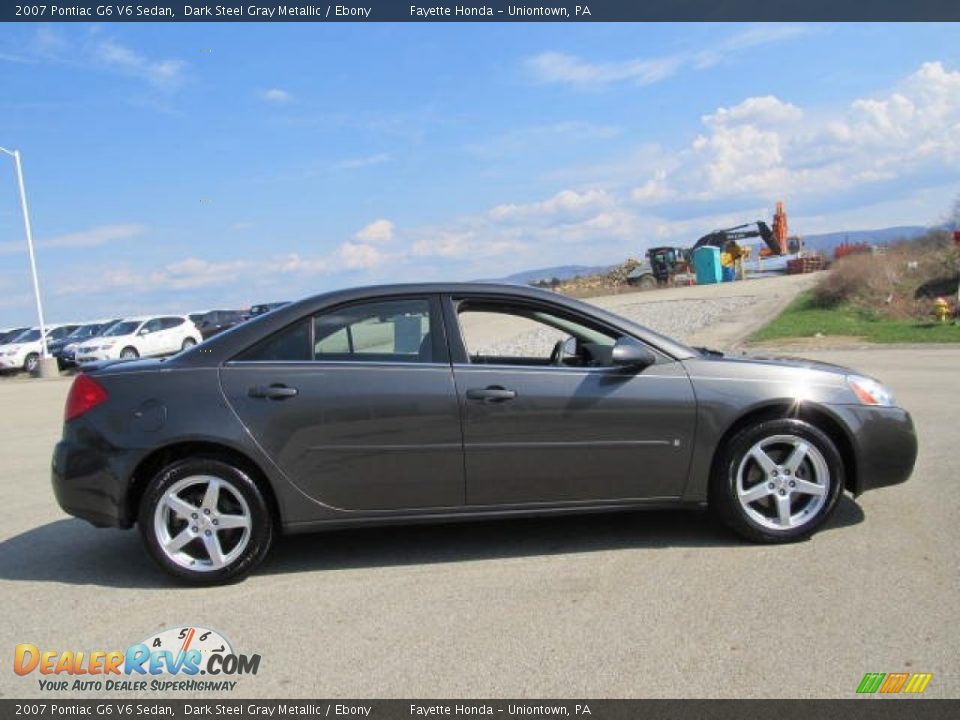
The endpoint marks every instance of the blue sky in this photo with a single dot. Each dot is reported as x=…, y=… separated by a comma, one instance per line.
x=181, y=167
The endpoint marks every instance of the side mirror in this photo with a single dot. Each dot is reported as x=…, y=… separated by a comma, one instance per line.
x=631, y=353
x=143, y=331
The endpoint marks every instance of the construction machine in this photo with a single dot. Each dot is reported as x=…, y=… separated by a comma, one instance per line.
x=678, y=260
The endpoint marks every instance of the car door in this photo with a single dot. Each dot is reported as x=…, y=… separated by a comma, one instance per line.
x=356, y=405
x=173, y=334
x=148, y=338
x=580, y=430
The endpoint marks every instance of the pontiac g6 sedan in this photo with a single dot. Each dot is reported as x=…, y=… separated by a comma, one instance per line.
x=458, y=401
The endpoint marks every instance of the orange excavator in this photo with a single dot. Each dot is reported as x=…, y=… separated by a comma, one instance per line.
x=775, y=239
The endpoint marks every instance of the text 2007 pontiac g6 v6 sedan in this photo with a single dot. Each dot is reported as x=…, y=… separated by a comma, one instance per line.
x=450, y=401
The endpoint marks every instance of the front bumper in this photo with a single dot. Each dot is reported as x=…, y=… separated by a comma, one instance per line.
x=884, y=443
x=11, y=362
x=87, y=357
x=88, y=478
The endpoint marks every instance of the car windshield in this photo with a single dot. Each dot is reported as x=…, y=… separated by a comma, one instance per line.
x=126, y=327
x=27, y=336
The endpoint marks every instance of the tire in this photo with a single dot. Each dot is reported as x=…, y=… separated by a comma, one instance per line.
x=195, y=546
x=647, y=282
x=777, y=481
x=188, y=343
x=31, y=363
x=129, y=353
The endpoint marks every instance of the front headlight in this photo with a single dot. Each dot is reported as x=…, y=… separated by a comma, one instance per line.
x=870, y=392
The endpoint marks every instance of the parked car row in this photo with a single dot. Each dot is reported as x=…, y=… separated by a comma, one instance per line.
x=78, y=344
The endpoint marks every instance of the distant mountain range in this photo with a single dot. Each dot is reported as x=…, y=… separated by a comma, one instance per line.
x=824, y=243
x=828, y=241
x=561, y=272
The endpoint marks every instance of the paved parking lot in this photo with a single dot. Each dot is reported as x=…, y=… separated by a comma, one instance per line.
x=657, y=604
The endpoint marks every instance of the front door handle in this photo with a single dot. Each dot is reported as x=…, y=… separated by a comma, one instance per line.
x=494, y=393
x=272, y=392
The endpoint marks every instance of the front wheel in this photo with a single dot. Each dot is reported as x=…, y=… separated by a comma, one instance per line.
x=31, y=363
x=129, y=353
x=205, y=521
x=777, y=481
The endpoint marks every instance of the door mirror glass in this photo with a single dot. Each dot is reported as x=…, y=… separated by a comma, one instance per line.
x=632, y=353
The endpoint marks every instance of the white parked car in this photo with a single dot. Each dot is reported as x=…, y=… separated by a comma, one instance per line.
x=147, y=336
x=23, y=352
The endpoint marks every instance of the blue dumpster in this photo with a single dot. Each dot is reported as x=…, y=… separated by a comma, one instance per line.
x=706, y=264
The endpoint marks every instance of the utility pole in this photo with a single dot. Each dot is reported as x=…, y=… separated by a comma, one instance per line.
x=47, y=365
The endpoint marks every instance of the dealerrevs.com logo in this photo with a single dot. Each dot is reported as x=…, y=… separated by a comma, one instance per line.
x=188, y=659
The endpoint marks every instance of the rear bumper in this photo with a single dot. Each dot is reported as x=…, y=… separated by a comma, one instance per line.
x=89, y=481
x=884, y=443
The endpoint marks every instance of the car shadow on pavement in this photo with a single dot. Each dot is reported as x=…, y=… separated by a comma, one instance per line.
x=71, y=551
x=512, y=538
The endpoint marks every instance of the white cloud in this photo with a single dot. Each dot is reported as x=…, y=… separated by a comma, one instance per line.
x=565, y=202
x=97, y=51
x=276, y=95
x=160, y=73
x=360, y=256
x=92, y=237
x=754, y=36
x=765, y=146
x=653, y=190
x=379, y=231
x=95, y=236
x=558, y=67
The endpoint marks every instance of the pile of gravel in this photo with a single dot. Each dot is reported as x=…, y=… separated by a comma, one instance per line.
x=682, y=318
x=675, y=318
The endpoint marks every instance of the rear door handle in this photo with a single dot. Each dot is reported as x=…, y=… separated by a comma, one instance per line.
x=494, y=393
x=272, y=392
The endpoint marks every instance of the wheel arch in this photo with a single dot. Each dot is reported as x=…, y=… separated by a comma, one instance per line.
x=150, y=465
x=812, y=413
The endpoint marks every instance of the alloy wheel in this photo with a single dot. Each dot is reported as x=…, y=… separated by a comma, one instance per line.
x=202, y=523
x=782, y=482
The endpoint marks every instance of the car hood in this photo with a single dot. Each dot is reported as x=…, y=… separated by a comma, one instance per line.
x=784, y=362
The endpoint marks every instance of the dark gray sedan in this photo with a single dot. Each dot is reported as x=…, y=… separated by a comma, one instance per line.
x=458, y=401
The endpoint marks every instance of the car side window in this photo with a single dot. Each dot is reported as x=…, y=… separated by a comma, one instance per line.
x=171, y=322
x=292, y=344
x=152, y=326
x=386, y=330
x=528, y=335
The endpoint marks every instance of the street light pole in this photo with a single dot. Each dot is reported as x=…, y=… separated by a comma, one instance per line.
x=45, y=355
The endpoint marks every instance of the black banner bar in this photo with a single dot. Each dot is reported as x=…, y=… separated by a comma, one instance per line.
x=861, y=709
x=491, y=11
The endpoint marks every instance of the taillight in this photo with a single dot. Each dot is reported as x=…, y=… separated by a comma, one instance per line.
x=85, y=394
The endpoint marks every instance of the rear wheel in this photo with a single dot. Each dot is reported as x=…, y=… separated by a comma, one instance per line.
x=647, y=282
x=188, y=343
x=205, y=521
x=777, y=481
x=129, y=353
